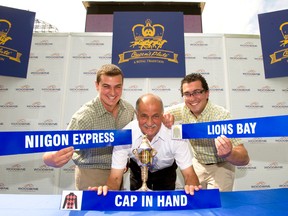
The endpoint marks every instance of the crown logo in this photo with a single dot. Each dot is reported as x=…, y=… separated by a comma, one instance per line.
x=284, y=30
x=148, y=36
x=5, y=26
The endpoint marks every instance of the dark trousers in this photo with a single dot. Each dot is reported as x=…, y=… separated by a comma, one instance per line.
x=164, y=179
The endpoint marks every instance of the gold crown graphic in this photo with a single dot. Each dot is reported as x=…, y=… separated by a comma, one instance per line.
x=284, y=30
x=148, y=32
x=5, y=26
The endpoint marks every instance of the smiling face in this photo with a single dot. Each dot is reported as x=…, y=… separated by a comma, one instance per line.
x=110, y=91
x=196, y=102
x=149, y=110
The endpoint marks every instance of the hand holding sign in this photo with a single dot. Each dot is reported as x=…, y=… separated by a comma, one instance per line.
x=59, y=158
x=224, y=146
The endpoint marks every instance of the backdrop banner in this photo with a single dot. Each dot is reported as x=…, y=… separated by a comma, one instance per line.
x=274, y=39
x=140, y=201
x=149, y=44
x=16, y=29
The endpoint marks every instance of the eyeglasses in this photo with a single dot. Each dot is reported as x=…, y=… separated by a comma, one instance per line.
x=195, y=93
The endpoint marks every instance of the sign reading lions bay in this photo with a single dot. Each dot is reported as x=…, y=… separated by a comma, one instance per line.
x=149, y=44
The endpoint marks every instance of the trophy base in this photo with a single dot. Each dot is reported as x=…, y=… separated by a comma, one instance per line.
x=144, y=188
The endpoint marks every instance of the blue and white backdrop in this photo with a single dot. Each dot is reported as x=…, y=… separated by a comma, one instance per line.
x=61, y=74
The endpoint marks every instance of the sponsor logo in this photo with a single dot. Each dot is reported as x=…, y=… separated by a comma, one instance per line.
x=9, y=105
x=28, y=188
x=260, y=185
x=43, y=43
x=254, y=105
x=161, y=88
x=273, y=165
x=238, y=57
x=16, y=168
x=133, y=88
x=248, y=44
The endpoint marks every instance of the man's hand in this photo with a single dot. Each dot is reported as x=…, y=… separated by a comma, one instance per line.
x=100, y=190
x=189, y=189
x=224, y=146
x=168, y=120
x=59, y=158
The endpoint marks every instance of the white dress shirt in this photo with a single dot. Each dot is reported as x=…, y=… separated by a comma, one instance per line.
x=167, y=150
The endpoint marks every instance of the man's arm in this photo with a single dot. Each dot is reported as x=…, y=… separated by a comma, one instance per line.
x=59, y=158
x=191, y=180
x=113, y=182
x=237, y=155
x=115, y=179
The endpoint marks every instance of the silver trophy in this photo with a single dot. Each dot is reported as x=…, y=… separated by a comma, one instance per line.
x=144, y=153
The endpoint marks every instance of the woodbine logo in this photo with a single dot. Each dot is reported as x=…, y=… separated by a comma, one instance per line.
x=254, y=105
x=107, y=56
x=32, y=56
x=161, y=88
x=51, y=88
x=40, y=71
x=248, y=167
x=43, y=43
x=16, y=168
x=238, y=57
x=25, y=88
x=95, y=43
x=280, y=105
x=260, y=185
x=212, y=56
x=241, y=89
x=90, y=72
x=3, y=88
x=28, y=188
x=251, y=73
x=48, y=123
x=273, y=166
x=202, y=72
x=21, y=123
x=55, y=56
x=249, y=44
x=266, y=89
x=79, y=88
x=133, y=88
x=199, y=43
x=282, y=140
x=43, y=169
x=189, y=56
x=284, y=185
x=36, y=105
x=82, y=56
x=3, y=187
x=257, y=140
x=216, y=88
x=9, y=105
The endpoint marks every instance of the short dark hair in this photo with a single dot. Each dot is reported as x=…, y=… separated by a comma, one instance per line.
x=108, y=70
x=192, y=78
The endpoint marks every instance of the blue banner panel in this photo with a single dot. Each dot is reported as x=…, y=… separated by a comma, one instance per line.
x=16, y=29
x=150, y=200
x=24, y=142
x=273, y=126
x=274, y=40
x=149, y=44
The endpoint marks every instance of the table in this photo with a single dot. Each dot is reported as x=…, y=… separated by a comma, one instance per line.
x=256, y=202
